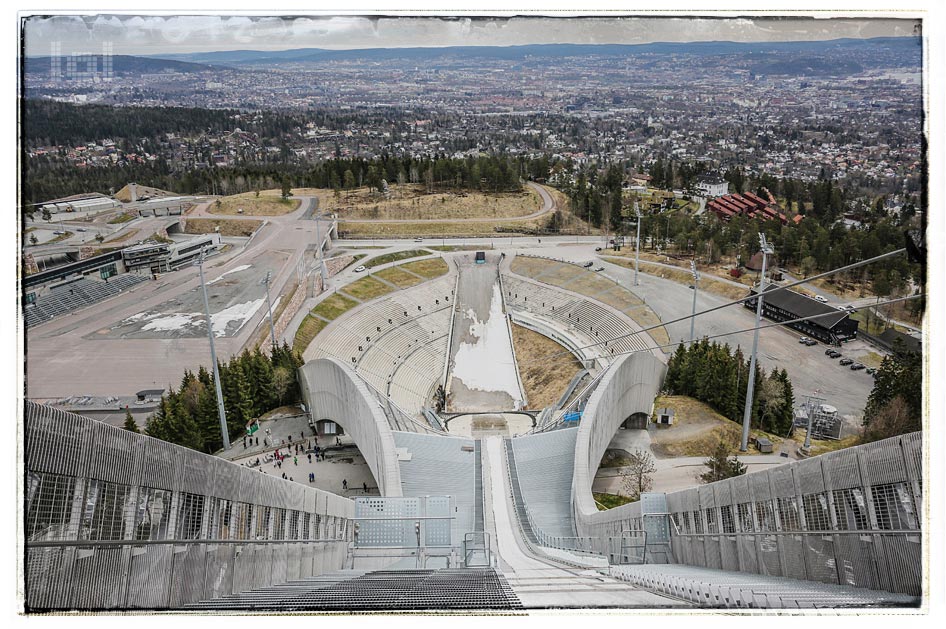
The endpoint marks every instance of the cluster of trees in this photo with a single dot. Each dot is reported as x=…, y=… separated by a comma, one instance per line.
x=895, y=405
x=714, y=374
x=49, y=178
x=252, y=383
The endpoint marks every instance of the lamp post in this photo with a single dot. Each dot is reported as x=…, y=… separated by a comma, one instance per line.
x=269, y=303
x=318, y=245
x=750, y=384
x=213, y=354
x=696, y=279
x=637, y=247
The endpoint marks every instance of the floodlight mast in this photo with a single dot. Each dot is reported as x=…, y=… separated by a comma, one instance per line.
x=199, y=263
x=637, y=247
x=319, y=243
x=269, y=303
x=696, y=280
x=750, y=385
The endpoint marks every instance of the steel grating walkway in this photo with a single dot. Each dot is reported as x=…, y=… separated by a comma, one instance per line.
x=381, y=590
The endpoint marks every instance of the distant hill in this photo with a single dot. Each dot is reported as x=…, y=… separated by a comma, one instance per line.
x=809, y=66
x=126, y=64
x=302, y=55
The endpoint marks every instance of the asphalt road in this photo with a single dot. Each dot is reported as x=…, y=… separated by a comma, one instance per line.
x=811, y=372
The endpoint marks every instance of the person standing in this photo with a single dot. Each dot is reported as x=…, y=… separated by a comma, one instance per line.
x=345, y=484
x=365, y=486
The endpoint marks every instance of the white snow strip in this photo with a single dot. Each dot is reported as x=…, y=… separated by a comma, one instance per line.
x=487, y=364
x=242, y=267
x=174, y=321
x=239, y=313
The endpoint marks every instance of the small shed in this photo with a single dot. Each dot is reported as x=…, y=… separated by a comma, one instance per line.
x=665, y=416
x=763, y=445
x=149, y=394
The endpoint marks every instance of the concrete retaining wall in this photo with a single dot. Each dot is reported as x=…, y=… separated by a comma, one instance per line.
x=629, y=387
x=333, y=391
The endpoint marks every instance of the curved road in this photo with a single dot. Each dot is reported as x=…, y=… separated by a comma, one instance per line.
x=548, y=205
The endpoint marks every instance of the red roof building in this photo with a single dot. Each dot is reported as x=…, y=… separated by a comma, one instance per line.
x=748, y=204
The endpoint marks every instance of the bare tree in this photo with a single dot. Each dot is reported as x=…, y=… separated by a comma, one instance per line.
x=636, y=475
x=771, y=396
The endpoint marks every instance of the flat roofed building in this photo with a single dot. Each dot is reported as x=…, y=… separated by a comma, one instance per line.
x=780, y=304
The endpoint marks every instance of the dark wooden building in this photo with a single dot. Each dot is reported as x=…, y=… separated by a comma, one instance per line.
x=781, y=304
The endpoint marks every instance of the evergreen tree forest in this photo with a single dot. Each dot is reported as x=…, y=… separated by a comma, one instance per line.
x=252, y=383
x=895, y=405
x=718, y=376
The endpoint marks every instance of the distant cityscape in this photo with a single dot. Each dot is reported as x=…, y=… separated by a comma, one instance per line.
x=852, y=110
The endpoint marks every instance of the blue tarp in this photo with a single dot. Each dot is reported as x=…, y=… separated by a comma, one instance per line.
x=571, y=417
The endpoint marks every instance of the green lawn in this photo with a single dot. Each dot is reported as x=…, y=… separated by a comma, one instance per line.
x=334, y=306
x=399, y=278
x=367, y=288
x=307, y=331
x=427, y=268
x=609, y=501
x=394, y=257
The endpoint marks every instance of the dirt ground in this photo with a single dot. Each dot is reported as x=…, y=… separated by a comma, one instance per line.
x=543, y=383
x=697, y=429
x=227, y=227
x=413, y=202
x=267, y=204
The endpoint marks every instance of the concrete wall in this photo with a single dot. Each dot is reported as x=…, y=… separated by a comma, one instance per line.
x=333, y=391
x=629, y=387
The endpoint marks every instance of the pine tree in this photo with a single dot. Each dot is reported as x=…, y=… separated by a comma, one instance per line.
x=721, y=466
x=130, y=424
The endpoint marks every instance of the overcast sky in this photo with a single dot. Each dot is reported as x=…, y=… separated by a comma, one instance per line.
x=150, y=34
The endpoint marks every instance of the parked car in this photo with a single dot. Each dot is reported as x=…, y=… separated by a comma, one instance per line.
x=811, y=342
x=823, y=300
x=80, y=229
x=803, y=339
x=834, y=354
x=360, y=268
x=58, y=233
x=871, y=370
x=828, y=351
x=588, y=264
x=418, y=240
x=857, y=367
x=597, y=248
x=844, y=362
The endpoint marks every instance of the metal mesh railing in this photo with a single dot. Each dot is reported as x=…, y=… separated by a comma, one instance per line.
x=116, y=520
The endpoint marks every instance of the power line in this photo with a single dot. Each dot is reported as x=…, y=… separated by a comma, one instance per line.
x=761, y=327
x=726, y=305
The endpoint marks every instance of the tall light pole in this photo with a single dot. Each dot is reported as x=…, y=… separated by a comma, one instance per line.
x=269, y=303
x=213, y=355
x=750, y=384
x=696, y=280
x=637, y=247
x=318, y=245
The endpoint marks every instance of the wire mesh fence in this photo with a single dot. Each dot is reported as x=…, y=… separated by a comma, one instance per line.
x=116, y=520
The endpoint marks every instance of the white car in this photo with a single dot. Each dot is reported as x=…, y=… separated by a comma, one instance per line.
x=360, y=268
x=418, y=240
x=823, y=300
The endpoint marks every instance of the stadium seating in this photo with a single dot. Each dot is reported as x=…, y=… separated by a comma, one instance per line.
x=590, y=321
x=398, y=344
x=77, y=294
